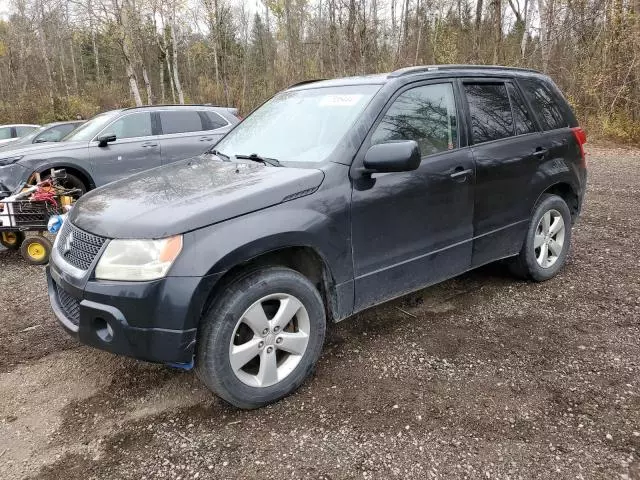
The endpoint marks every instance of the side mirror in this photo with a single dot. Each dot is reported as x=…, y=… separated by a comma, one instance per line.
x=105, y=139
x=402, y=156
x=40, y=140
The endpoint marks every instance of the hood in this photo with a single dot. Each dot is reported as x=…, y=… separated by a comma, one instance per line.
x=188, y=195
x=35, y=149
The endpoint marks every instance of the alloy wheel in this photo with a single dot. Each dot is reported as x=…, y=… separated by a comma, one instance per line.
x=269, y=340
x=549, y=238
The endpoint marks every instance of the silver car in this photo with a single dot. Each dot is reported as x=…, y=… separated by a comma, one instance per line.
x=119, y=143
x=10, y=133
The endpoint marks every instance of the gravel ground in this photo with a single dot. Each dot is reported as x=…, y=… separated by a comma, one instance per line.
x=480, y=377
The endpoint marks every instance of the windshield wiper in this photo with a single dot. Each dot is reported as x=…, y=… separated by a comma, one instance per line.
x=218, y=153
x=257, y=158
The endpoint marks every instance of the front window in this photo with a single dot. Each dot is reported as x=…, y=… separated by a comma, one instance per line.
x=130, y=126
x=426, y=114
x=90, y=129
x=300, y=125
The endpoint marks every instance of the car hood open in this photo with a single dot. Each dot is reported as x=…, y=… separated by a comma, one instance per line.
x=188, y=195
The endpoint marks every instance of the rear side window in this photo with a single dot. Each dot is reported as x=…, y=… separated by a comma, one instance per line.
x=180, y=122
x=215, y=121
x=425, y=114
x=521, y=116
x=490, y=110
x=545, y=103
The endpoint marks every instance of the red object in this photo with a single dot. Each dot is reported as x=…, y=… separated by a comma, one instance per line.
x=581, y=138
x=44, y=194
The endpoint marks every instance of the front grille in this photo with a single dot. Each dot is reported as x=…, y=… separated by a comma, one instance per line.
x=70, y=306
x=77, y=247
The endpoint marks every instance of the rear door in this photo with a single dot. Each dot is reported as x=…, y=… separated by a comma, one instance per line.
x=506, y=147
x=186, y=133
x=555, y=118
x=136, y=148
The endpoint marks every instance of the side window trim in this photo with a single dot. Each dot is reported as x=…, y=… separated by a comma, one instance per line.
x=120, y=118
x=410, y=86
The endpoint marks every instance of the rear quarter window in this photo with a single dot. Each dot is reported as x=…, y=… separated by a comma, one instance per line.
x=549, y=107
x=215, y=121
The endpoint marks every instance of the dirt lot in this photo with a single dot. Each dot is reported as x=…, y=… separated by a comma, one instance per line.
x=480, y=377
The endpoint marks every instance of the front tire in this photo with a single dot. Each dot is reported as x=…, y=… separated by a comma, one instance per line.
x=261, y=338
x=547, y=243
x=36, y=250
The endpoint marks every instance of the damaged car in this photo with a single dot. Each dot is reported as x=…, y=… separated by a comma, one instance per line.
x=119, y=143
x=332, y=197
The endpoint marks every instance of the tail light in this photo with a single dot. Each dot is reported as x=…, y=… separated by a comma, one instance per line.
x=581, y=138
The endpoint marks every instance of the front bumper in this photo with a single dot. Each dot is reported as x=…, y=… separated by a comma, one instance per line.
x=153, y=321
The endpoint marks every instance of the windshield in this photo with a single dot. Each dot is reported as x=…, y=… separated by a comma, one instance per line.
x=93, y=126
x=299, y=126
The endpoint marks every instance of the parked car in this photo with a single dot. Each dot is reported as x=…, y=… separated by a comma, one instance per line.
x=330, y=198
x=118, y=143
x=10, y=133
x=51, y=132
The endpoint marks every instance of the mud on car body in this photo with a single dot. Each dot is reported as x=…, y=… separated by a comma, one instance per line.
x=332, y=197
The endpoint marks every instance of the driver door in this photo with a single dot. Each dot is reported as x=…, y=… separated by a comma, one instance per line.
x=411, y=229
x=134, y=150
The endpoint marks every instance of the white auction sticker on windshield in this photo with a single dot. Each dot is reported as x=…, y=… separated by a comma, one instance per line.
x=339, y=100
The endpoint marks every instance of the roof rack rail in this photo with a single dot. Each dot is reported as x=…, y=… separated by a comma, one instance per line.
x=304, y=82
x=433, y=68
x=177, y=105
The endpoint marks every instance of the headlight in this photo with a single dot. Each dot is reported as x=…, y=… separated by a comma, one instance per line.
x=10, y=160
x=138, y=260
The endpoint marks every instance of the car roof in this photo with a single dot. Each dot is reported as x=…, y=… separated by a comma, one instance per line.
x=19, y=125
x=421, y=71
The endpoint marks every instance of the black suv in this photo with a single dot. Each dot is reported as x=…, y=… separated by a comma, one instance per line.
x=331, y=197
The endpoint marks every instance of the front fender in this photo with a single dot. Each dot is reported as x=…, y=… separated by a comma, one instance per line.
x=218, y=248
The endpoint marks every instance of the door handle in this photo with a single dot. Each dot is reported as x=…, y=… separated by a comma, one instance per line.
x=149, y=144
x=540, y=152
x=206, y=139
x=460, y=174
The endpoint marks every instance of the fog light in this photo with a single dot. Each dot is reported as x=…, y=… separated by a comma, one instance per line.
x=103, y=329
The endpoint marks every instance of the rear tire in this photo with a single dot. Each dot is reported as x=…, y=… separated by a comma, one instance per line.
x=261, y=338
x=547, y=243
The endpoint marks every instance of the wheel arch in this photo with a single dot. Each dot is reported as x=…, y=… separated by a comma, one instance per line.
x=567, y=192
x=302, y=258
x=76, y=171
